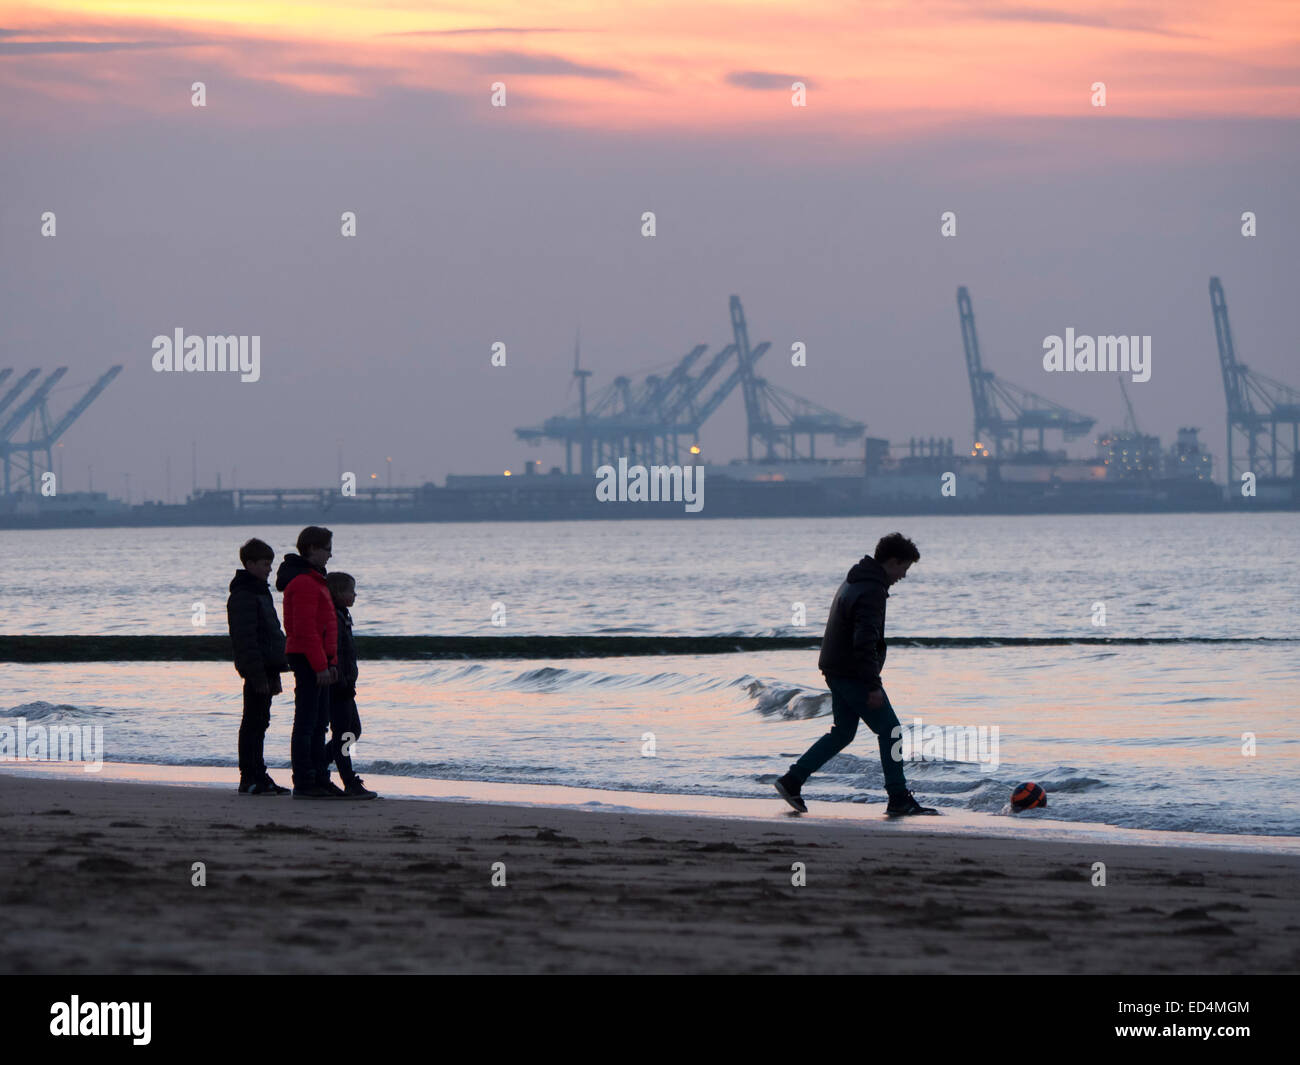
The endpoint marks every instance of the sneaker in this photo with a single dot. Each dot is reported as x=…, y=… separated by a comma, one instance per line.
x=312, y=791
x=788, y=787
x=332, y=790
x=356, y=789
x=244, y=786
x=267, y=786
x=901, y=805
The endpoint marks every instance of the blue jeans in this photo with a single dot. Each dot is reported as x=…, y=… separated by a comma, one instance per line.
x=848, y=704
x=311, y=717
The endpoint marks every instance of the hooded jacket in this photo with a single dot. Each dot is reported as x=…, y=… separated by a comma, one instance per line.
x=854, y=644
x=347, y=652
x=309, y=620
x=255, y=632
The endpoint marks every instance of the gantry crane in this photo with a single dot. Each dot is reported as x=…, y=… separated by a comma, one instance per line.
x=777, y=417
x=645, y=421
x=21, y=466
x=1257, y=407
x=1003, y=411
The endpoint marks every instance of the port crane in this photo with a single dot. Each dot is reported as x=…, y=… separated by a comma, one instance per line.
x=1003, y=411
x=7, y=400
x=22, y=468
x=645, y=421
x=777, y=417
x=1258, y=407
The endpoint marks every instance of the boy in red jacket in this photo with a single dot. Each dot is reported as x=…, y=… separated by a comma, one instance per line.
x=311, y=631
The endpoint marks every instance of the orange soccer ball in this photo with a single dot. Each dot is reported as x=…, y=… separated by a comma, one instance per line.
x=1028, y=797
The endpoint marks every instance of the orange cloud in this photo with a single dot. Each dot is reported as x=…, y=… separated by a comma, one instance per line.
x=675, y=64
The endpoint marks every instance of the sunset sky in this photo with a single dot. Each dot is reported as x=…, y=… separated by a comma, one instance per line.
x=478, y=223
x=679, y=66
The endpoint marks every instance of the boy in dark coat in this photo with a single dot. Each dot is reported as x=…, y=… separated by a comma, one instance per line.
x=345, y=722
x=853, y=653
x=259, y=658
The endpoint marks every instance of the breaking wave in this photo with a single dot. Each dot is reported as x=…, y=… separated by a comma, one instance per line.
x=43, y=711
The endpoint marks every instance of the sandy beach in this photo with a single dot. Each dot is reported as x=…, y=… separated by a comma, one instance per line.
x=98, y=879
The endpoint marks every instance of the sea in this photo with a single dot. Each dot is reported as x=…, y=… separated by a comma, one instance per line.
x=1186, y=719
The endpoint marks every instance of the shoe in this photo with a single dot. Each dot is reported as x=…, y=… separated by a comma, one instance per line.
x=356, y=789
x=901, y=805
x=244, y=786
x=332, y=790
x=267, y=786
x=312, y=791
x=788, y=788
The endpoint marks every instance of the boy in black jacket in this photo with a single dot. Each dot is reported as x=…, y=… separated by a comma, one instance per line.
x=345, y=722
x=258, y=644
x=853, y=652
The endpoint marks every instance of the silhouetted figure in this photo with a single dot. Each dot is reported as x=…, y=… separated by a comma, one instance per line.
x=312, y=645
x=853, y=653
x=345, y=721
x=258, y=644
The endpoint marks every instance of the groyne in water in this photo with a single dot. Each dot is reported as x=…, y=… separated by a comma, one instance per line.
x=149, y=648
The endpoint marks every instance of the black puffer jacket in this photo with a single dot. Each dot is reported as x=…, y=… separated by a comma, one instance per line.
x=347, y=660
x=255, y=631
x=854, y=644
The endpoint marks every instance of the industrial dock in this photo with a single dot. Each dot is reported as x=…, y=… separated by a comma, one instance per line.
x=1014, y=462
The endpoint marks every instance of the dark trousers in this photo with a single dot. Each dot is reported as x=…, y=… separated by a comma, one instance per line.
x=252, y=733
x=848, y=705
x=311, y=717
x=345, y=726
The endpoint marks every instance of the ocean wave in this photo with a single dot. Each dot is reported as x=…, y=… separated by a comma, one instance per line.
x=1071, y=784
x=549, y=678
x=464, y=672
x=43, y=711
x=557, y=678
x=460, y=771
x=561, y=679
x=790, y=702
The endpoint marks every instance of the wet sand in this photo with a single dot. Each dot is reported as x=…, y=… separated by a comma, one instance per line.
x=97, y=878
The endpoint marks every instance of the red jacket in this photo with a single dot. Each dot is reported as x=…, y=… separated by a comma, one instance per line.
x=310, y=625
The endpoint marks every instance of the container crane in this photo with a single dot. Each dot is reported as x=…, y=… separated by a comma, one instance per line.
x=1258, y=407
x=1003, y=411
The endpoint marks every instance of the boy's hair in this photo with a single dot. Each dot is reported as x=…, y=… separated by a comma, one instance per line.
x=898, y=546
x=339, y=582
x=314, y=536
x=255, y=550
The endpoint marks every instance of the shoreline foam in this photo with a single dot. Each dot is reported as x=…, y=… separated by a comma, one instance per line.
x=951, y=822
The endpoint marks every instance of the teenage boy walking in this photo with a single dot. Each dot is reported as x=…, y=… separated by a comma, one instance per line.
x=853, y=653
